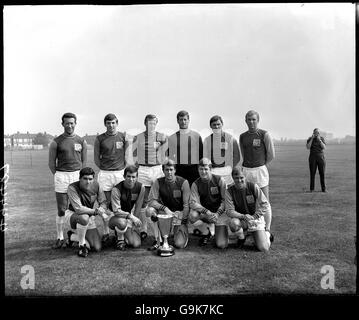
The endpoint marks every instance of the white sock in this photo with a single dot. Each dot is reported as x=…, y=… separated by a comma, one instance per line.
x=106, y=229
x=240, y=233
x=74, y=237
x=60, y=227
x=120, y=233
x=81, y=233
x=144, y=220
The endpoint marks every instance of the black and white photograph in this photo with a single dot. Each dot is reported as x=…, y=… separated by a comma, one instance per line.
x=179, y=150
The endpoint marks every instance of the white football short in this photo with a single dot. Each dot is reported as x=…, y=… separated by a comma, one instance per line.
x=62, y=179
x=258, y=175
x=225, y=173
x=256, y=225
x=108, y=179
x=146, y=175
x=67, y=221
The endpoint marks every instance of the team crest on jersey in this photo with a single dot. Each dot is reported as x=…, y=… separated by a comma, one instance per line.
x=177, y=193
x=250, y=199
x=214, y=190
x=78, y=147
x=256, y=142
x=224, y=145
x=156, y=144
x=134, y=196
x=119, y=144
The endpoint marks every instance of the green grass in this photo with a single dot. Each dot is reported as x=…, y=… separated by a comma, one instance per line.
x=311, y=230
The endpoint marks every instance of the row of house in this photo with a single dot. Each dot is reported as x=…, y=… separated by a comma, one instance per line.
x=24, y=141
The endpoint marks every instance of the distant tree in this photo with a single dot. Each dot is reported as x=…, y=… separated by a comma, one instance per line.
x=42, y=139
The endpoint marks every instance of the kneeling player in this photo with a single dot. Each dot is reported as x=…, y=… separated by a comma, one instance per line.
x=170, y=195
x=246, y=204
x=126, y=196
x=84, y=196
x=207, y=205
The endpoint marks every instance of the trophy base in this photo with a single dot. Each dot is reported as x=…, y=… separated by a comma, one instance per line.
x=165, y=252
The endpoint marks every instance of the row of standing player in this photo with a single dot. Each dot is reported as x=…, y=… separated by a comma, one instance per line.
x=68, y=154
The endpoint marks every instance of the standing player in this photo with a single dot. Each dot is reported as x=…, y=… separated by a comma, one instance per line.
x=257, y=150
x=109, y=156
x=222, y=149
x=185, y=148
x=246, y=204
x=170, y=195
x=126, y=196
x=149, y=148
x=207, y=203
x=86, y=201
x=67, y=155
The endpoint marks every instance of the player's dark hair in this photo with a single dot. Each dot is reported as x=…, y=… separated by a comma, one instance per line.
x=150, y=117
x=168, y=163
x=237, y=170
x=130, y=169
x=110, y=117
x=205, y=162
x=68, y=115
x=87, y=171
x=214, y=119
x=182, y=113
x=252, y=112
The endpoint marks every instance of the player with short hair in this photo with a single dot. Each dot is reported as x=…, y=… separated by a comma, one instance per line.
x=148, y=150
x=86, y=201
x=208, y=205
x=67, y=155
x=247, y=205
x=185, y=147
x=257, y=150
x=170, y=195
x=222, y=149
x=110, y=158
x=127, y=199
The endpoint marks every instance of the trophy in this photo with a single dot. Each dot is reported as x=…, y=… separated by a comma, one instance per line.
x=164, y=225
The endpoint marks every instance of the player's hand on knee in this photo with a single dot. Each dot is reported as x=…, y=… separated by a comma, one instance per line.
x=137, y=222
x=248, y=217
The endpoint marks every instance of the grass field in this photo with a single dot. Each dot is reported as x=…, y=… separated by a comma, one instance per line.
x=311, y=230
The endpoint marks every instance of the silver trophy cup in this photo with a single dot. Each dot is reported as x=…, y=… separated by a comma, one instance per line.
x=164, y=225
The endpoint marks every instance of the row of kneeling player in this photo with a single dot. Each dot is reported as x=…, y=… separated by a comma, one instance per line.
x=209, y=207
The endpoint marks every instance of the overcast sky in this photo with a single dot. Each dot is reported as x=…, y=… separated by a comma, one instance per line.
x=293, y=63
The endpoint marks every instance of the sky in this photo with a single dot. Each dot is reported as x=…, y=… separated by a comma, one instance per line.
x=292, y=63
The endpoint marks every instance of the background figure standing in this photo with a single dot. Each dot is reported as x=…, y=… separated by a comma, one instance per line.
x=67, y=155
x=257, y=149
x=316, y=145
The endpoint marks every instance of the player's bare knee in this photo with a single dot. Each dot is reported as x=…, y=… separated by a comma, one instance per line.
x=180, y=242
x=193, y=216
x=83, y=219
x=121, y=224
x=235, y=224
x=97, y=247
x=263, y=247
x=221, y=243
